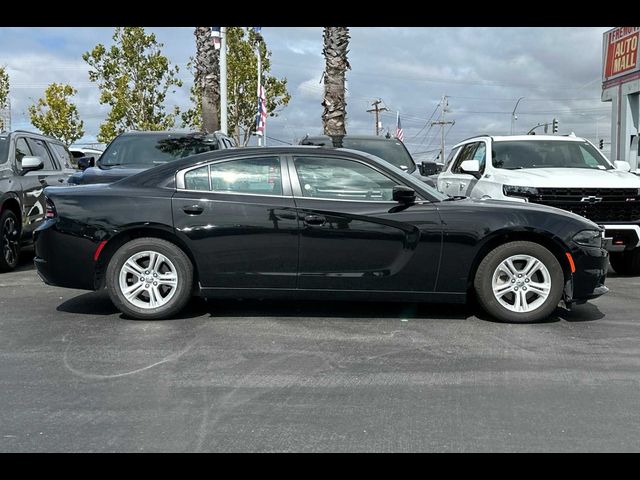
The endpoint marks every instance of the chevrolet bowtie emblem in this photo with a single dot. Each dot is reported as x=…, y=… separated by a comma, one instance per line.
x=591, y=199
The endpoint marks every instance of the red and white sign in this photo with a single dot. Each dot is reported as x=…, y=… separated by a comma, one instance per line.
x=620, y=52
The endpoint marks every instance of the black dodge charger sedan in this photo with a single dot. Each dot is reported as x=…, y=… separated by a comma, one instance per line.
x=311, y=222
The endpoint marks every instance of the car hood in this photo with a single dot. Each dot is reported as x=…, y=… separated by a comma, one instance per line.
x=99, y=175
x=568, y=178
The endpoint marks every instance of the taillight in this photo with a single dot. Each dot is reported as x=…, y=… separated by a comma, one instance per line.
x=50, y=209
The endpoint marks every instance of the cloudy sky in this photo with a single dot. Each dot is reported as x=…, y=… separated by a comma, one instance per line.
x=482, y=70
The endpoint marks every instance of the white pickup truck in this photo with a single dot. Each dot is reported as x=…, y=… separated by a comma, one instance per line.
x=566, y=172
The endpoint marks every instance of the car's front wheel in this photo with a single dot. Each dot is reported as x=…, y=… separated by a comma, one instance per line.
x=626, y=263
x=519, y=282
x=9, y=241
x=149, y=279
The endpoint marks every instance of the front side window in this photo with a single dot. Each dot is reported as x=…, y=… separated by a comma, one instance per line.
x=22, y=150
x=258, y=176
x=40, y=150
x=336, y=178
x=452, y=155
x=466, y=154
x=481, y=155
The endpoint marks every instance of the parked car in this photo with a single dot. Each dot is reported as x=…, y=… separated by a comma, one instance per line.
x=133, y=152
x=85, y=156
x=290, y=222
x=28, y=163
x=566, y=172
x=388, y=148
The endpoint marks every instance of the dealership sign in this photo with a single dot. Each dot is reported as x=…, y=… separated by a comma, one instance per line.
x=620, y=52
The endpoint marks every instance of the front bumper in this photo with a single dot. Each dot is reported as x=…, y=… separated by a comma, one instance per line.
x=588, y=281
x=618, y=238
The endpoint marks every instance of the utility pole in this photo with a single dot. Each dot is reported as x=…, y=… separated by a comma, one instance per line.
x=223, y=79
x=377, y=111
x=444, y=103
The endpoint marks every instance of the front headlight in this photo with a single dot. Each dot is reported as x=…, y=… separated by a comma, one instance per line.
x=589, y=238
x=522, y=192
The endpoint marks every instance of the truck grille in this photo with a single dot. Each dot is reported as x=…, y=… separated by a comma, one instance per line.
x=616, y=204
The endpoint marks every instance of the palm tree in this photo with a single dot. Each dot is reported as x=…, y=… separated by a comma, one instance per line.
x=335, y=50
x=207, y=77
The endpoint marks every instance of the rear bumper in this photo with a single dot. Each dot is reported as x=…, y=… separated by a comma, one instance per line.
x=64, y=260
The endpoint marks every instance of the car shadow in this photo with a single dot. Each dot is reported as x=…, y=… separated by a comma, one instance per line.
x=25, y=263
x=99, y=303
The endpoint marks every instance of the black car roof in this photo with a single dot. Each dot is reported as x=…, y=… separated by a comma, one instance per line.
x=326, y=138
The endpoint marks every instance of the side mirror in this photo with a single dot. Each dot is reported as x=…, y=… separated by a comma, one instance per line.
x=86, y=162
x=624, y=166
x=30, y=164
x=472, y=167
x=429, y=168
x=403, y=194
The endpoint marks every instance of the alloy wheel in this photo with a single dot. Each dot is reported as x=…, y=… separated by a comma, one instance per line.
x=521, y=283
x=10, y=247
x=148, y=280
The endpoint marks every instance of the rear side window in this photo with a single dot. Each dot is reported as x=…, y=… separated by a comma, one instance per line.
x=40, y=150
x=257, y=176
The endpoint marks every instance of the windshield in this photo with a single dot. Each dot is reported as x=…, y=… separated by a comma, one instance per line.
x=4, y=149
x=513, y=155
x=392, y=151
x=418, y=185
x=139, y=151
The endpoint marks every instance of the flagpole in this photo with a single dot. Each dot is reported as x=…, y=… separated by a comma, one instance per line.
x=259, y=85
x=223, y=79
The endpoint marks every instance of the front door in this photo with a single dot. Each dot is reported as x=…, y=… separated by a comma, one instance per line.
x=353, y=236
x=239, y=219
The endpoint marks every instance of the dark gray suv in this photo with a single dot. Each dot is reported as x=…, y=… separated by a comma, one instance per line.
x=29, y=162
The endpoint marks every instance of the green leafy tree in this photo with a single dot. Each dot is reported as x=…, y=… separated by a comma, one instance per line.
x=336, y=48
x=55, y=115
x=242, y=87
x=134, y=78
x=4, y=92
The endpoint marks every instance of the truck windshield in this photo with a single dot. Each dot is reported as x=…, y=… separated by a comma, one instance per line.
x=139, y=151
x=512, y=155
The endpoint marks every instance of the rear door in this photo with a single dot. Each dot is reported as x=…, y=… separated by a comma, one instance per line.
x=353, y=236
x=239, y=219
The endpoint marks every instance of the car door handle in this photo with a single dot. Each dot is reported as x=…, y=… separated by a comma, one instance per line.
x=43, y=181
x=316, y=220
x=462, y=185
x=61, y=180
x=193, y=209
x=447, y=184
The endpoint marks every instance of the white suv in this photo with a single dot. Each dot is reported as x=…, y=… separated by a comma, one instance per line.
x=566, y=172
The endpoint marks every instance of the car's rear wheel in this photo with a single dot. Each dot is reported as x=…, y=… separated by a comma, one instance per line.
x=9, y=241
x=149, y=279
x=626, y=263
x=519, y=282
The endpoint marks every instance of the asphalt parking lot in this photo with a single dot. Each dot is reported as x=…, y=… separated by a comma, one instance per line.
x=313, y=376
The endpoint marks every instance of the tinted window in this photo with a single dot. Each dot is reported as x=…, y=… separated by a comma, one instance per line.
x=466, y=154
x=547, y=154
x=39, y=150
x=77, y=154
x=481, y=155
x=250, y=175
x=22, y=150
x=197, y=179
x=139, y=151
x=4, y=149
x=336, y=178
x=452, y=155
x=64, y=156
x=390, y=151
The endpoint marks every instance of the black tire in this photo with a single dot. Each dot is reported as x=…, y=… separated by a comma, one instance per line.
x=484, y=277
x=626, y=263
x=183, y=270
x=9, y=241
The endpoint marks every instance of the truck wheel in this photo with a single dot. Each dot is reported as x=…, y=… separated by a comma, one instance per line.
x=149, y=279
x=519, y=282
x=626, y=263
x=9, y=241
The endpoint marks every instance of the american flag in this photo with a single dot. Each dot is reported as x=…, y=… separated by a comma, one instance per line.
x=261, y=118
x=399, y=131
x=215, y=34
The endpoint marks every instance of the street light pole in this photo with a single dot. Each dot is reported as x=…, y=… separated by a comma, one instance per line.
x=514, y=117
x=223, y=80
